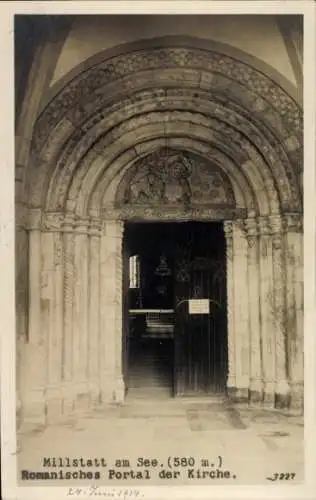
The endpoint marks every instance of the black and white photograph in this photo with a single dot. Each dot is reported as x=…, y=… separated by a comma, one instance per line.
x=159, y=250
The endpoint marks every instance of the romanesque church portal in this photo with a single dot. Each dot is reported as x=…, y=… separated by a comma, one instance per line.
x=159, y=168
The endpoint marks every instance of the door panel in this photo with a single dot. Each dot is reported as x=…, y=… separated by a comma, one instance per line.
x=200, y=339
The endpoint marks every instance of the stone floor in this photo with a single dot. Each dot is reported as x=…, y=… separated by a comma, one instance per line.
x=252, y=444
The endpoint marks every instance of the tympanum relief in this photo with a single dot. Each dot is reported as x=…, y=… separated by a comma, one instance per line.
x=173, y=177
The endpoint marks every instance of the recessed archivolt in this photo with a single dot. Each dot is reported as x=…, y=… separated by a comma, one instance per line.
x=94, y=129
x=101, y=170
x=175, y=66
x=104, y=116
x=143, y=127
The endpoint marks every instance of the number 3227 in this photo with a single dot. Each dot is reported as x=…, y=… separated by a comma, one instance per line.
x=281, y=476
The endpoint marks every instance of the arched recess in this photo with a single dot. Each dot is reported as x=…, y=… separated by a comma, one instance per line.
x=100, y=125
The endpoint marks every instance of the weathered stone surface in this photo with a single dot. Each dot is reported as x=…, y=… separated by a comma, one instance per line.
x=87, y=84
x=170, y=177
x=224, y=124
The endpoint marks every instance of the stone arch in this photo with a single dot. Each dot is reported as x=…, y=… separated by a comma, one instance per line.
x=185, y=122
x=238, y=96
x=174, y=41
x=91, y=134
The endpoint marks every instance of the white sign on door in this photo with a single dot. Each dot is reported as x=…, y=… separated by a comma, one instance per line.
x=199, y=306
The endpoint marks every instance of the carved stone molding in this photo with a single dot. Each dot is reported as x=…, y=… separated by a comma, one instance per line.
x=264, y=226
x=276, y=224
x=240, y=224
x=228, y=229
x=82, y=225
x=171, y=213
x=171, y=176
x=68, y=223
x=251, y=226
x=277, y=231
x=239, y=147
x=95, y=227
x=115, y=72
x=252, y=231
x=52, y=221
x=294, y=222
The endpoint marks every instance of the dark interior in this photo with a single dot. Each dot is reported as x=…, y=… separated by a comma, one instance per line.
x=151, y=337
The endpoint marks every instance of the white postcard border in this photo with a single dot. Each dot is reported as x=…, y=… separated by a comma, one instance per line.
x=7, y=309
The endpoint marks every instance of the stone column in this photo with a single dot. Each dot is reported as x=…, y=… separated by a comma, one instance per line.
x=21, y=273
x=241, y=310
x=94, y=310
x=254, y=311
x=266, y=305
x=231, y=382
x=279, y=311
x=80, y=315
x=53, y=308
x=35, y=362
x=68, y=281
x=295, y=296
x=111, y=377
x=21, y=297
x=47, y=293
x=119, y=376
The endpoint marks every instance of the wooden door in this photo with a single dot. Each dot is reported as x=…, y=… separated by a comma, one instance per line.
x=200, y=339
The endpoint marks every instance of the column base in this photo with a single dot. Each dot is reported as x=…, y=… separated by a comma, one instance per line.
x=256, y=391
x=112, y=390
x=297, y=396
x=268, y=399
x=238, y=395
x=282, y=394
x=33, y=412
x=282, y=401
x=119, y=390
x=255, y=396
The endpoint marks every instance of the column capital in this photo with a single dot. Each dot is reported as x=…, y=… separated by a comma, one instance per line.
x=277, y=231
x=81, y=225
x=68, y=222
x=252, y=231
x=276, y=224
x=240, y=224
x=34, y=219
x=294, y=222
x=251, y=225
x=52, y=221
x=228, y=228
x=95, y=226
x=264, y=226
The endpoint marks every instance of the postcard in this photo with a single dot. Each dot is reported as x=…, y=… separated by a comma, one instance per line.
x=158, y=250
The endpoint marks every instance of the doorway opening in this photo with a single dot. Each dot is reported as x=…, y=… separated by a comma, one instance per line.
x=175, y=312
